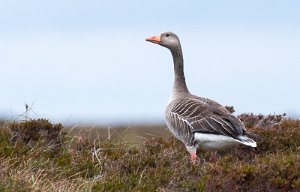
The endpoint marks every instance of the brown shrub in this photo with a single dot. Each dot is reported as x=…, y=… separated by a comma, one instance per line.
x=262, y=121
x=32, y=131
x=230, y=109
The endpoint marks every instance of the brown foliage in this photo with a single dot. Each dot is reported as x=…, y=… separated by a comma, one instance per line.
x=262, y=121
x=86, y=164
x=32, y=131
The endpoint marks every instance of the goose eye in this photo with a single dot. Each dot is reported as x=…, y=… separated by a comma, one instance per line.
x=167, y=35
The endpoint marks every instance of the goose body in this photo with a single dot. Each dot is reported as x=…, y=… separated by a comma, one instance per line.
x=197, y=121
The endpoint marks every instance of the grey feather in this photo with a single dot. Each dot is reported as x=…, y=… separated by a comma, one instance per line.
x=192, y=114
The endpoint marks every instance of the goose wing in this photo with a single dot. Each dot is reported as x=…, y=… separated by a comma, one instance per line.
x=206, y=117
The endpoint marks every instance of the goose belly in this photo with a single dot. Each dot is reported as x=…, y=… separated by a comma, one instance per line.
x=213, y=142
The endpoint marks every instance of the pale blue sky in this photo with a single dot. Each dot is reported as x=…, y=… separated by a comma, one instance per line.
x=87, y=61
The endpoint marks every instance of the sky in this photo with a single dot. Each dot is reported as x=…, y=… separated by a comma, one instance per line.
x=88, y=61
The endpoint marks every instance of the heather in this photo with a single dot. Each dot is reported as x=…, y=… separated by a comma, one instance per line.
x=36, y=155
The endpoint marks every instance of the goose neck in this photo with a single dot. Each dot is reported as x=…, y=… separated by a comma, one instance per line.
x=179, y=86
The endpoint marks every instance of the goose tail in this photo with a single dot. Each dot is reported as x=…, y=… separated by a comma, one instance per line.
x=247, y=141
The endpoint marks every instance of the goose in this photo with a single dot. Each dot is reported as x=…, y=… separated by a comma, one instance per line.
x=198, y=122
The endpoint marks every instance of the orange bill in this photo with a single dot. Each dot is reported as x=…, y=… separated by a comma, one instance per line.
x=154, y=39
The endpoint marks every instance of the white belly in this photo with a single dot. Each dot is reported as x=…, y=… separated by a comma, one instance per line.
x=213, y=142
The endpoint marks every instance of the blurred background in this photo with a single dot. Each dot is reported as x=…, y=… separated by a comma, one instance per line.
x=87, y=61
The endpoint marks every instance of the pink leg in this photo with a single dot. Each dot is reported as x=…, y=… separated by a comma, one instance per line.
x=192, y=150
x=194, y=157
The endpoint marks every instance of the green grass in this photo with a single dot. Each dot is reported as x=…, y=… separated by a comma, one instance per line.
x=88, y=161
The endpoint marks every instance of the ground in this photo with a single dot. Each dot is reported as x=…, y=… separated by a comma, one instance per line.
x=147, y=159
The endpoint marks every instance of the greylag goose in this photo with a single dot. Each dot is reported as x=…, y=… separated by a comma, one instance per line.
x=197, y=121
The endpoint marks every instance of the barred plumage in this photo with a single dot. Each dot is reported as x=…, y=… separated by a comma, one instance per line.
x=198, y=121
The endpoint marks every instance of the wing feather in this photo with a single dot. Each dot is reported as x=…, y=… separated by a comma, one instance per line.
x=207, y=116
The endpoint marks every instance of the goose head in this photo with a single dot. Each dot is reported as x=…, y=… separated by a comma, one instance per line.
x=166, y=39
